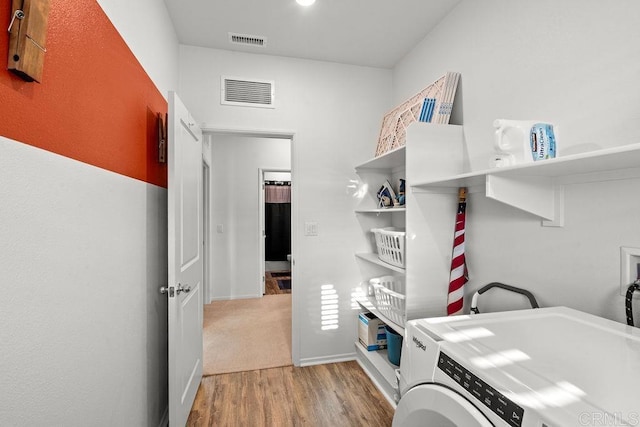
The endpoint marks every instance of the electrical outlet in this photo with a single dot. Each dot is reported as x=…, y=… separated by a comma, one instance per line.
x=629, y=268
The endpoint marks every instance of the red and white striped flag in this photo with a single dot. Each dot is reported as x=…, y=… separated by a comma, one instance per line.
x=458, y=276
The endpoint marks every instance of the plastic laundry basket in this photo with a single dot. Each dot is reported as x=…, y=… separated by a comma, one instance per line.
x=390, y=245
x=394, y=346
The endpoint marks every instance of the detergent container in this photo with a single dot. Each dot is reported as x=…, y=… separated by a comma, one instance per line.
x=523, y=141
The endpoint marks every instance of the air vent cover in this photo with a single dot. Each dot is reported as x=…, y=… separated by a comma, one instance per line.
x=249, y=93
x=248, y=40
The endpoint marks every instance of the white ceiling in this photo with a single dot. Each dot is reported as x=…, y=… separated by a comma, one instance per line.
x=375, y=33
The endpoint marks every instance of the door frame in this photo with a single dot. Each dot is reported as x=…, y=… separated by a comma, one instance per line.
x=206, y=229
x=262, y=226
x=290, y=135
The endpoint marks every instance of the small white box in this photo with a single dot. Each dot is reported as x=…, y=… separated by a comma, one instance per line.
x=371, y=332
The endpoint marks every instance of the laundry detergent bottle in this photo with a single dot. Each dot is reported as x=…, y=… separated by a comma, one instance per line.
x=523, y=141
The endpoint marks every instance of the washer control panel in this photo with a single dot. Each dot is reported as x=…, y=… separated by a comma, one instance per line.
x=489, y=396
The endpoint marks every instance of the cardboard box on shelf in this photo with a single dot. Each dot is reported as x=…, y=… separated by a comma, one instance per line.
x=371, y=332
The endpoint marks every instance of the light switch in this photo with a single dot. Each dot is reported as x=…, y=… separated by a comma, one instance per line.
x=220, y=228
x=311, y=228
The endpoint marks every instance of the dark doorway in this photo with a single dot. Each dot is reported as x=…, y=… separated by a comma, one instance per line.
x=277, y=220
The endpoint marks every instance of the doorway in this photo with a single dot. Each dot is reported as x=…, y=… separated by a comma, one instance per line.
x=236, y=216
x=275, y=186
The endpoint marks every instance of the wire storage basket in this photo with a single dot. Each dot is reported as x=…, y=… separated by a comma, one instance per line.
x=390, y=245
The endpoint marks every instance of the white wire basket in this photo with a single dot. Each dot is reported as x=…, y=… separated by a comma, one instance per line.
x=390, y=304
x=390, y=244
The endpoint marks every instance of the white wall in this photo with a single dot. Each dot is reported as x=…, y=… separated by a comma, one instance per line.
x=277, y=176
x=83, y=324
x=235, y=207
x=84, y=252
x=335, y=112
x=146, y=27
x=575, y=63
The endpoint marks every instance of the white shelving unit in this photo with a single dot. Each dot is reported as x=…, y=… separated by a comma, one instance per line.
x=381, y=210
x=376, y=364
x=373, y=173
x=369, y=304
x=537, y=187
x=373, y=259
x=391, y=160
x=431, y=151
x=434, y=163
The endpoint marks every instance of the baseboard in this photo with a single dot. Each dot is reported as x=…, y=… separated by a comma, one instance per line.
x=164, y=421
x=327, y=359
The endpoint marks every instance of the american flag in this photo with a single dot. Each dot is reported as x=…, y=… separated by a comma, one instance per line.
x=458, y=276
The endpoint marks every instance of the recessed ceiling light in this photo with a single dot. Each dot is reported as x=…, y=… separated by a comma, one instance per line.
x=306, y=2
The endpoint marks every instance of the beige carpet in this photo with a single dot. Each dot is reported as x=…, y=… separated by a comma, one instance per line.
x=247, y=334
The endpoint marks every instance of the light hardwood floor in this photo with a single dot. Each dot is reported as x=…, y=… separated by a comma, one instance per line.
x=331, y=395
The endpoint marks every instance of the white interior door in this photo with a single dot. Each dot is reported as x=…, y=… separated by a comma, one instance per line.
x=184, y=289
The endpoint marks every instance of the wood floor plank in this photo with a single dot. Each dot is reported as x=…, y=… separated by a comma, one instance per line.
x=331, y=395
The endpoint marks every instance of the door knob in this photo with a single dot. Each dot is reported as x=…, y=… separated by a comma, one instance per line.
x=167, y=290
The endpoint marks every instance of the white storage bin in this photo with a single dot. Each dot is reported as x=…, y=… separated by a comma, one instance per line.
x=393, y=283
x=390, y=244
x=390, y=304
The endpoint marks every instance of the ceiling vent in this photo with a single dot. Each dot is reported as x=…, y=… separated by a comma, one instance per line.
x=247, y=40
x=248, y=93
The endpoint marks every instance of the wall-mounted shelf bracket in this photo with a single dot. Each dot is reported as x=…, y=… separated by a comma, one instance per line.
x=538, y=195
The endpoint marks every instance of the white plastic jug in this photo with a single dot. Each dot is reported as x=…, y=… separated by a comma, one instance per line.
x=523, y=141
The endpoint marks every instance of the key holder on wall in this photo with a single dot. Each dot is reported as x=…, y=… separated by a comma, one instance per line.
x=27, y=38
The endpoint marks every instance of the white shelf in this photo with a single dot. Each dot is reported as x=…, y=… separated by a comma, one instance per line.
x=373, y=258
x=537, y=187
x=389, y=160
x=368, y=303
x=381, y=210
x=378, y=366
x=389, y=166
x=606, y=160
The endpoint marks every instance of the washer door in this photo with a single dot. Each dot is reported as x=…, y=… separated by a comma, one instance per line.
x=436, y=405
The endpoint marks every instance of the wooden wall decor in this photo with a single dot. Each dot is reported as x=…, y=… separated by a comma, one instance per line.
x=27, y=38
x=394, y=124
x=162, y=138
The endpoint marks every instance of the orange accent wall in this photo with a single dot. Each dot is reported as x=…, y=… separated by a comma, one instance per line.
x=96, y=104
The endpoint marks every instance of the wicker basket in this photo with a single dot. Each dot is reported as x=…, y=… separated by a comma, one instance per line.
x=390, y=304
x=390, y=244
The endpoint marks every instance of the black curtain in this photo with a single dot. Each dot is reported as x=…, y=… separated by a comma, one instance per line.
x=277, y=220
x=278, y=230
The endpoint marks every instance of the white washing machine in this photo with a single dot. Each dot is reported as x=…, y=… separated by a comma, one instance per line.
x=549, y=367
